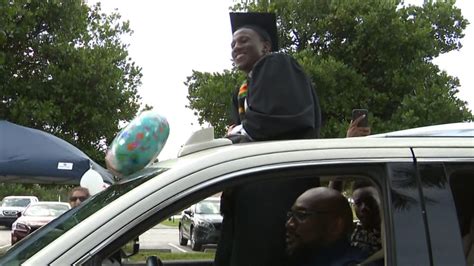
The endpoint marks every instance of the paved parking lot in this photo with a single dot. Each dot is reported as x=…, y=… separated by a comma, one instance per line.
x=159, y=237
x=4, y=237
x=164, y=238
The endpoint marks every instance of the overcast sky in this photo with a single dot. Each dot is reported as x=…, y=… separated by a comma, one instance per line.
x=172, y=38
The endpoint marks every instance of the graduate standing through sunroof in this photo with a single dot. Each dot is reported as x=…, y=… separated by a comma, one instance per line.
x=276, y=102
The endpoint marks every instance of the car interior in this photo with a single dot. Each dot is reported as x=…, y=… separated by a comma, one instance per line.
x=126, y=250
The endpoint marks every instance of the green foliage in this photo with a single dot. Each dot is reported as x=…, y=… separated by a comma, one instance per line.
x=210, y=95
x=43, y=192
x=332, y=79
x=172, y=222
x=362, y=54
x=65, y=70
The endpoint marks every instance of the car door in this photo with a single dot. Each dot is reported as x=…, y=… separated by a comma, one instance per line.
x=339, y=168
x=369, y=169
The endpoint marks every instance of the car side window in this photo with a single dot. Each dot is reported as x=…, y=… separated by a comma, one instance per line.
x=256, y=213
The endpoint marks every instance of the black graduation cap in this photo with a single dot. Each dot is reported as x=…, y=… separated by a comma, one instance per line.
x=263, y=23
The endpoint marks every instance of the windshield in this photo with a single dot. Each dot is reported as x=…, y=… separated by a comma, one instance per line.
x=15, y=202
x=46, y=210
x=26, y=248
x=208, y=207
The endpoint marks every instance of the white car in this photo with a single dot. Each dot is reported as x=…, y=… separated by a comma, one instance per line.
x=11, y=206
x=420, y=181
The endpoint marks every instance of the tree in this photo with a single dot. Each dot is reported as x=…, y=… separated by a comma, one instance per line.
x=44, y=192
x=360, y=54
x=210, y=95
x=65, y=70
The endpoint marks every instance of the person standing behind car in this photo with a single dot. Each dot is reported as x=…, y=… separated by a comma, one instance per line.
x=78, y=195
x=276, y=102
x=354, y=130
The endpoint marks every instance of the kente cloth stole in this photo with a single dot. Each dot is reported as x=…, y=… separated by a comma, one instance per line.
x=242, y=96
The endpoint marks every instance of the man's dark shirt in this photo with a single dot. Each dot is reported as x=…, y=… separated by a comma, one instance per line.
x=339, y=254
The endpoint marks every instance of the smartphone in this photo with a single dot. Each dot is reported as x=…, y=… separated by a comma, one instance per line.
x=358, y=112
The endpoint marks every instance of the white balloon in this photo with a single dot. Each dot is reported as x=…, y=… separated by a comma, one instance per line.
x=93, y=182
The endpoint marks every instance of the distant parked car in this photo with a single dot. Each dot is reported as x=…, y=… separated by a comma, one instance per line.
x=201, y=224
x=11, y=206
x=35, y=216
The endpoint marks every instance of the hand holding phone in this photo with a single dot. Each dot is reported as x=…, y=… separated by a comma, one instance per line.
x=357, y=120
x=359, y=125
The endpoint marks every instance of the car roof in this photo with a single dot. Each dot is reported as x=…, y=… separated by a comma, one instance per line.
x=206, y=151
x=207, y=157
x=49, y=202
x=465, y=129
x=20, y=197
x=204, y=139
x=311, y=144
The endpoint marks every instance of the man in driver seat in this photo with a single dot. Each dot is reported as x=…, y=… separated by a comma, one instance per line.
x=318, y=230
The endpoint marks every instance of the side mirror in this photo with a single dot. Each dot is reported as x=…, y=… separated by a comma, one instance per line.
x=188, y=212
x=131, y=248
x=18, y=214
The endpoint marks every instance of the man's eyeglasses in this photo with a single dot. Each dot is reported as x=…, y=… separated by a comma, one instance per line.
x=77, y=198
x=301, y=216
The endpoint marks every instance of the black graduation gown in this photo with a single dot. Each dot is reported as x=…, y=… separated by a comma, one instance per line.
x=281, y=102
x=253, y=229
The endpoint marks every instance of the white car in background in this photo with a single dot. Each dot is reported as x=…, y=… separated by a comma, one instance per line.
x=11, y=206
x=419, y=179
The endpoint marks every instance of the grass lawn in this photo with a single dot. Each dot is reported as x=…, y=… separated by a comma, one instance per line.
x=173, y=256
x=172, y=222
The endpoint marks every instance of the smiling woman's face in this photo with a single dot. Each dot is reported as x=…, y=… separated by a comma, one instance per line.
x=247, y=48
